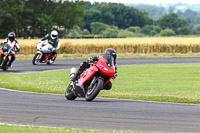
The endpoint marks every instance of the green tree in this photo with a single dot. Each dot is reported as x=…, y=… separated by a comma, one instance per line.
x=151, y=29
x=135, y=29
x=10, y=16
x=98, y=27
x=37, y=17
x=110, y=33
x=153, y=11
x=172, y=21
x=115, y=14
x=167, y=32
x=67, y=14
x=126, y=33
x=147, y=29
x=196, y=27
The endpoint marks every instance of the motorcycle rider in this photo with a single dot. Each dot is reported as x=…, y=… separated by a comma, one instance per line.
x=53, y=42
x=14, y=45
x=109, y=52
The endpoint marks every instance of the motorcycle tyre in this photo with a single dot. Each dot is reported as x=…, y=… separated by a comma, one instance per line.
x=69, y=95
x=34, y=59
x=99, y=84
x=4, y=65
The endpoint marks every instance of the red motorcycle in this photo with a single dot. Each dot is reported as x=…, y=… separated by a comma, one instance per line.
x=6, y=52
x=92, y=80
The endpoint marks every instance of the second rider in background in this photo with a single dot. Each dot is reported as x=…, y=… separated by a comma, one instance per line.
x=11, y=40
x=53, y=42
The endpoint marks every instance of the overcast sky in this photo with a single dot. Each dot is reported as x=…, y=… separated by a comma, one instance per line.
x=164, y=2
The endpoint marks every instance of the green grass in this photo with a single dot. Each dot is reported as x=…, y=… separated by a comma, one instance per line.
x=154, y=82
x=35, y=129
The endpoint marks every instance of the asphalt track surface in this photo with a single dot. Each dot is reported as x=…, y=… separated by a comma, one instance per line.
x=101, y=114
x=21, y=66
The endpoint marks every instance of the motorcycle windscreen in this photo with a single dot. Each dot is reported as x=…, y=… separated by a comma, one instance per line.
x=6, y=48
x=106, y=65
x=87, y=74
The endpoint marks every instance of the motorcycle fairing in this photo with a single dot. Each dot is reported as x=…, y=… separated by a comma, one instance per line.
x=44, y=57
x=1, y=51
x=87, y=74
x=104, y=68
x=46, y=51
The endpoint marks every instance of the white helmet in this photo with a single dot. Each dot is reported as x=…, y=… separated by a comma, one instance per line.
x=54, y=34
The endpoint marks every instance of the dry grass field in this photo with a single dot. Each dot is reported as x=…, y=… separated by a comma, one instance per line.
x=182, y=45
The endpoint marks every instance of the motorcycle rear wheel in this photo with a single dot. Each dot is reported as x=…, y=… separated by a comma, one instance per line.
x=35, y=59
x=94, y=91
x=69, y=94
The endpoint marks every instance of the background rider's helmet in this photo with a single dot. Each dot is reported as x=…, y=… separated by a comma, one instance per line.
x=54, y=34
x=11, y=36
x=112, y=52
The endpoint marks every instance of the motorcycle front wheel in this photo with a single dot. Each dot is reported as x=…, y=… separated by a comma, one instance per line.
x=5, y=64
x=69, y=94
x=36, y=58
x=94, y=90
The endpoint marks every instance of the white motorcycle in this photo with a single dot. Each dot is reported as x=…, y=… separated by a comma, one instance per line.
x=44, y=53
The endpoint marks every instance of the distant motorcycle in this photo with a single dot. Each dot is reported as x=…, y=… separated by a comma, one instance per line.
x=92, y=80
x=44, y=54
x=6, y=52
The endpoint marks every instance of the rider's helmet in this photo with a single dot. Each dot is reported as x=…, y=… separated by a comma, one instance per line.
x=54, y=34
x=112, y=52
x=11, y=36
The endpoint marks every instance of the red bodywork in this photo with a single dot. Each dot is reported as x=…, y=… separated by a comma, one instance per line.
x=1, y=51
x=102, y=66
x=45, y=57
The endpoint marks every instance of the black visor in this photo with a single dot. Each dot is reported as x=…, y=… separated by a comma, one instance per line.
x=54, y=35
x=11, y=38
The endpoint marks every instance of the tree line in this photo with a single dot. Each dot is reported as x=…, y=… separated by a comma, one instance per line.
x=191, y=13
x=118, y=20
x=35, y=18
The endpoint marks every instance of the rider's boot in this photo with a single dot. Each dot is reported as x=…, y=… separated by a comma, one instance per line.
x=108, y=86
x=83, y=66
x=11, y=62
x=76, y=76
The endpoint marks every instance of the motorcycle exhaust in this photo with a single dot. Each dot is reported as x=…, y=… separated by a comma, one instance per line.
x=72, y=72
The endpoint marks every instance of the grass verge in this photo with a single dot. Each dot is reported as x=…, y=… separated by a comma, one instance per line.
x=36, y=129
x=154, y=82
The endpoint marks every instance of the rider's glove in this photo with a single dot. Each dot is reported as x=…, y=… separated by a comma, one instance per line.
x=53, y=49
x=17, y=50
x=114, y=76
x=90, y=60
